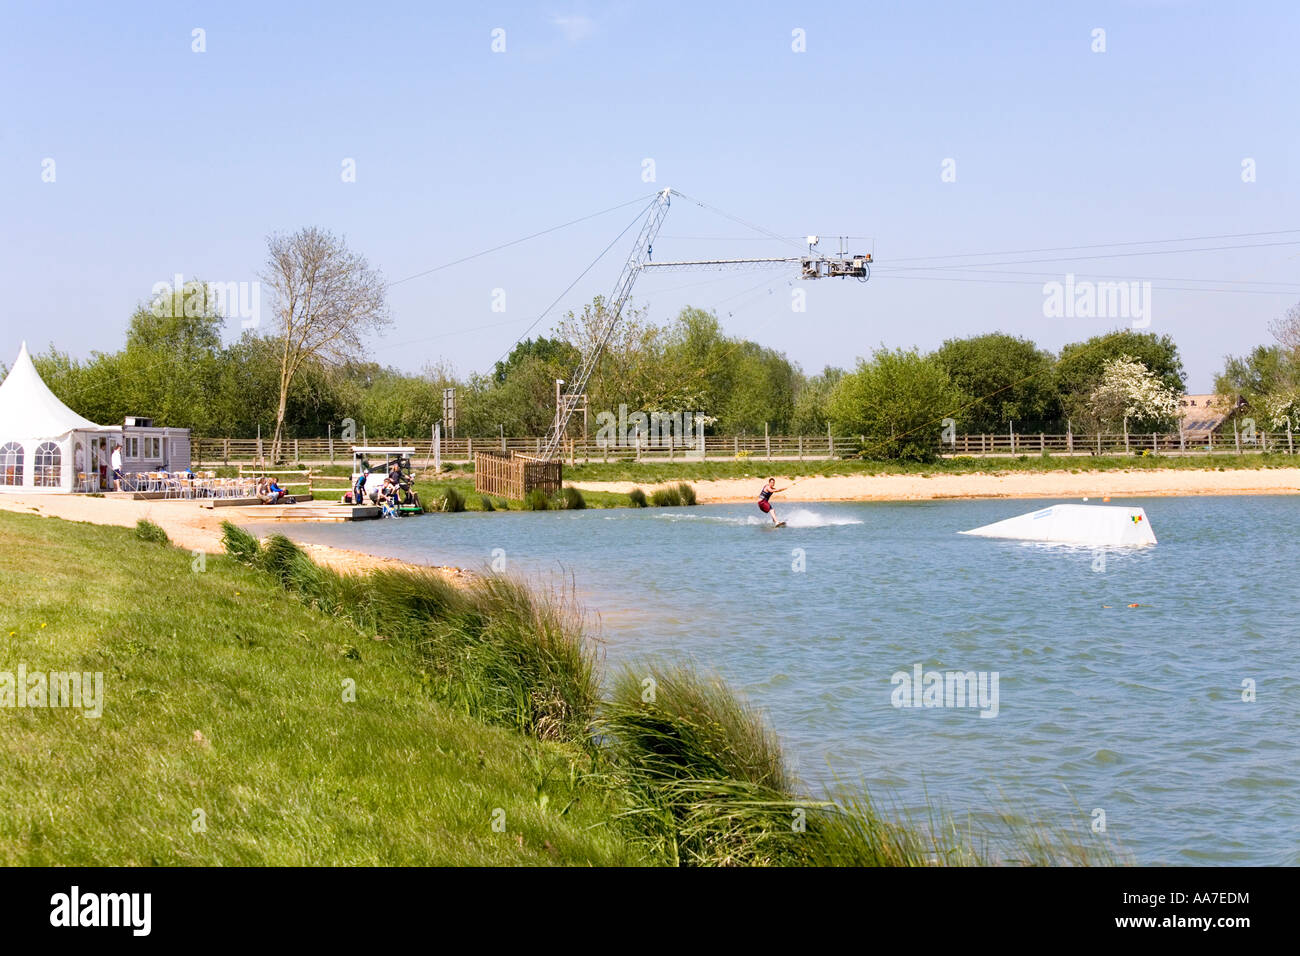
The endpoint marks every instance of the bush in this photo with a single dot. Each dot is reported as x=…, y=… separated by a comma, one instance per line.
x=666, y=497
x=687, y=493
x=573, y=499
x=637, y=497
x=487, y=503
x=146, y=530
x=537, y=501
x=452, y=500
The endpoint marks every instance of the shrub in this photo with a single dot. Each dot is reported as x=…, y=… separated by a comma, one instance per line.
x=573, y=499
x=452, y=500
x=637, y=497
x=487, y=503
x=146, y=530
x=687, y=493
x=537, y=501
x=666, y=497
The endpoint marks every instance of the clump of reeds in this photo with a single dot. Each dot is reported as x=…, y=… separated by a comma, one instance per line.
x=573, y=499
x=146, y=530
x=239, y=544
x=687, y=493
x=452, y=500
x=670, y=497
x=487, y=504
x=637, y=497
x=537, y=501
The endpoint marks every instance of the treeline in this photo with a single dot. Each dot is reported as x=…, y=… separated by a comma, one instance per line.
x=176, y=369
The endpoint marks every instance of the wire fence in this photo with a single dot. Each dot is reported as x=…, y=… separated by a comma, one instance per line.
x=211, y=452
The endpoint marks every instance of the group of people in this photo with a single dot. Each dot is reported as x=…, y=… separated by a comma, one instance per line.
x=395, y=489
x=270, y=493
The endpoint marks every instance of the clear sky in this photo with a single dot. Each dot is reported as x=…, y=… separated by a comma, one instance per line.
x=167, y=160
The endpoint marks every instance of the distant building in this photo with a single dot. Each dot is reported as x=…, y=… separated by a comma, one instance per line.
x=146, y=447
x=1201, y=414
x=46, y=446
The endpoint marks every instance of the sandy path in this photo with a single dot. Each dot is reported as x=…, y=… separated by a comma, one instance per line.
x=1055, y=484
x=186, y=523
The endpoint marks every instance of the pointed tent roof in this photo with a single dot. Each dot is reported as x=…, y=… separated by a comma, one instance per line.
x=29, y=410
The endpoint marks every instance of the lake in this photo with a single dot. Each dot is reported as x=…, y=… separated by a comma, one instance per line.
x=1135, y=711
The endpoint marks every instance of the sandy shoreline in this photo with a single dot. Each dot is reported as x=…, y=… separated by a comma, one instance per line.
x=1089, y=484
x=193, y=527
x=186, y=523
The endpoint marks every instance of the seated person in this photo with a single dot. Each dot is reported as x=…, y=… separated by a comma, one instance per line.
x=271, y=493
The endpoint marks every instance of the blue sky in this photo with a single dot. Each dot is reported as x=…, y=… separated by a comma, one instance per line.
x=167, y=160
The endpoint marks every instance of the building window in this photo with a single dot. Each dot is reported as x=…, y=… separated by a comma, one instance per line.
x=11, y=464
x=48, y=460
x=154, y=447
x=133, y=447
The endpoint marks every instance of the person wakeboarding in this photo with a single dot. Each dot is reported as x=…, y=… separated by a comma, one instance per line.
x=764, y=499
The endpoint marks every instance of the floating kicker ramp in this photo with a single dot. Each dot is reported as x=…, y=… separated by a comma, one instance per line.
x=1098, y=525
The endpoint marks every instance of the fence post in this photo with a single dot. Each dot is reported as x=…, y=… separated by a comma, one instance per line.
x=1011, y=429
x=736, y=439
x=1182, y=437
x=1042, y=442
x=470, y=451
x=296, y=456
x=1290, y=449
x=1098, y=441
x=1236, y=433
x=801, y=448
x=767, y=442
x=830, y=439
x=1069, y=437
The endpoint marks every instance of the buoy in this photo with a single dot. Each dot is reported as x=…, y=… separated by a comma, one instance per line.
x=1107, y=498
x=1085, y=499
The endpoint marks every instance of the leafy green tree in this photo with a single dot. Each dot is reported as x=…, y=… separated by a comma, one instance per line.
x=1080, y=367
x=896, y=401
x=1005, y=379
x=811, y=398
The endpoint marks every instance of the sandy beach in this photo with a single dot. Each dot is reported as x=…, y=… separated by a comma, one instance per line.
x=1056, y=484
x=187, y=524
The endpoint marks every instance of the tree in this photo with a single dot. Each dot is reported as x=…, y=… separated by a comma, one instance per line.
x=811, y=398
x=1079, y=369
x=1265, y=384
x=1132, y=395
x=896, y=401
x=1005, y=379
x=327, y=300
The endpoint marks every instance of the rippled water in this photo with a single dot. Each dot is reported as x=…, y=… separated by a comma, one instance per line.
x=1134, y=710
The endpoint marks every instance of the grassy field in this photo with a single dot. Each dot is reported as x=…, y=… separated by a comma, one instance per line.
x=224, y=694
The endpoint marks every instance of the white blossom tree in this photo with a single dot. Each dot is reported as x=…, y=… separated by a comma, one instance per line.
x=1131, y=393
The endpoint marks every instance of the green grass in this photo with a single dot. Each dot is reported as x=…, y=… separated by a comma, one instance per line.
x=224, y=693
x=659, y=472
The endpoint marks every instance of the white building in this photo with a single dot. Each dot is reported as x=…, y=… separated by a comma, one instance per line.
x=45, y=445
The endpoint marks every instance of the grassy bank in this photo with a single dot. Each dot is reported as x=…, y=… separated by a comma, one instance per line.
x=225, y=694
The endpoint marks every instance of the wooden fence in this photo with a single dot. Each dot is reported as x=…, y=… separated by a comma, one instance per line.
x=515, y=476
x=210, y=452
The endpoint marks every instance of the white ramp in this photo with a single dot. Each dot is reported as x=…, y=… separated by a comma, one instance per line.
x=1099, y=525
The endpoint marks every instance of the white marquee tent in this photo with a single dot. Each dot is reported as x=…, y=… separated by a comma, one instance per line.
x=45, y=445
